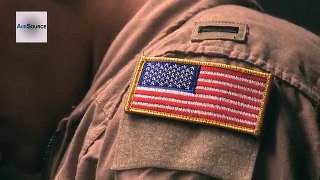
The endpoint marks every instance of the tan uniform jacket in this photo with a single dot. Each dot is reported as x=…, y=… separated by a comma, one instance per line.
x=99, y=140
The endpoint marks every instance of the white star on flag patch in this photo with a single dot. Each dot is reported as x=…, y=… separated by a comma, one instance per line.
x=199, y=91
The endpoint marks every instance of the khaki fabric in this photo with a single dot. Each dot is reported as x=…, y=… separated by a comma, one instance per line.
x=100, y=141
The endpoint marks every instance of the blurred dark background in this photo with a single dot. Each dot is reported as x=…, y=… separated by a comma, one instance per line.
x=304, y=13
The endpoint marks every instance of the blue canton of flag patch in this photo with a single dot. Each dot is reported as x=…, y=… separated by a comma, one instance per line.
x=169, y=75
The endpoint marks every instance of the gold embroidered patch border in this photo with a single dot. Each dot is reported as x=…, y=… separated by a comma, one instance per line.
x=201, y=92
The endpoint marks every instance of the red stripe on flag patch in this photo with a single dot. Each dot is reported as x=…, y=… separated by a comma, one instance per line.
x=215, y=76
x=234, y=73
x=194, y=114
x=204, y=99
x=229, y=95
x=200, y=106
x=202, y=92
x=222, y=86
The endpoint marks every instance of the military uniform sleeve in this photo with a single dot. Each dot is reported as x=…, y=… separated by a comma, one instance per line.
x=287, y=146
x=114, y=143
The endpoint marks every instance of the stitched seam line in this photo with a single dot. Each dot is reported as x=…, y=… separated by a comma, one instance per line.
x=97, y=132
x=111, y=80
x=91, y=142
x=301, y=86
x=101, y=107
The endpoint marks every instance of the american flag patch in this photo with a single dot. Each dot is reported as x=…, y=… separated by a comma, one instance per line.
x=202, y=92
